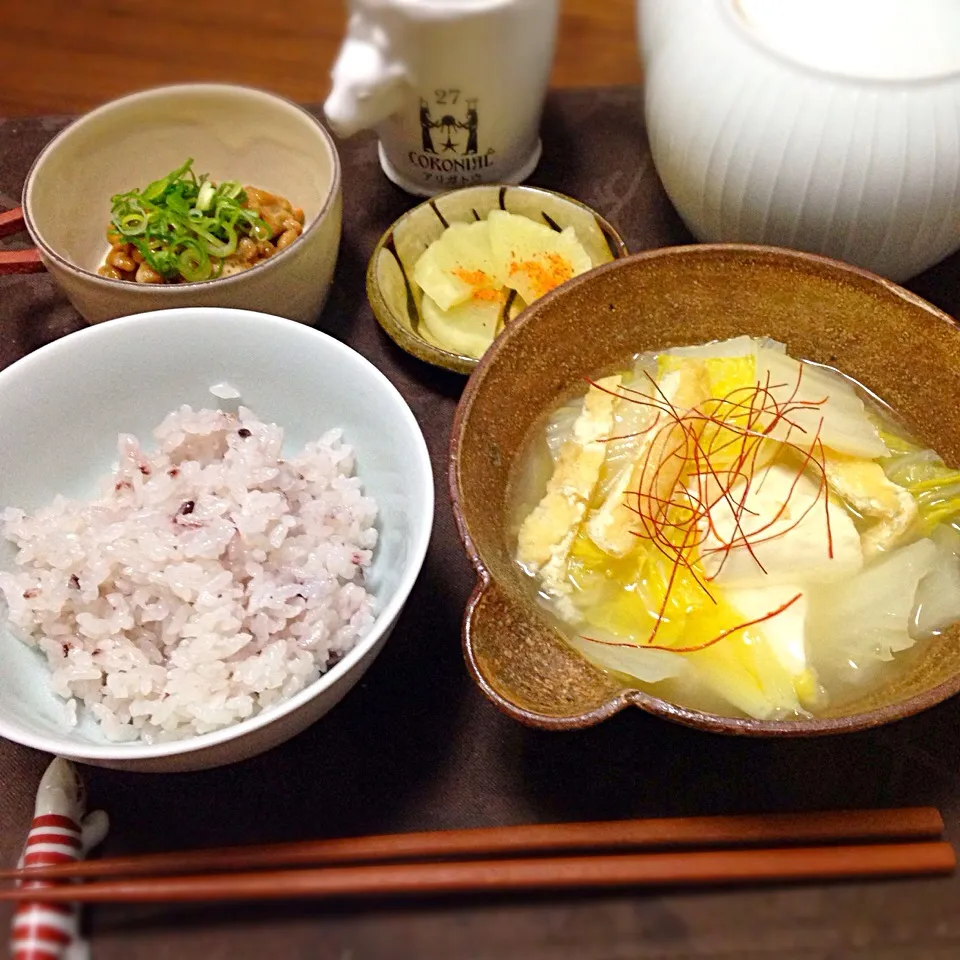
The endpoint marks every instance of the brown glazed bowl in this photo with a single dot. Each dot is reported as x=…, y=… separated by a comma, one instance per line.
x=896, y=344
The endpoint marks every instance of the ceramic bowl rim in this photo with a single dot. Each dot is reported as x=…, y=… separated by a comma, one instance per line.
x=173, y=289
x=419, y=540
x=701, y=720
x=422, y=349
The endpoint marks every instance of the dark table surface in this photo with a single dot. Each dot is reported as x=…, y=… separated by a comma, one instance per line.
x=416, y=746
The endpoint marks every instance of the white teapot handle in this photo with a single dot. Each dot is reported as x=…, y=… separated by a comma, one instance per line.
x=370, y=81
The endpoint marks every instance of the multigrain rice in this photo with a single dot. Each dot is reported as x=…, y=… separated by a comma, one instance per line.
x=208, y=581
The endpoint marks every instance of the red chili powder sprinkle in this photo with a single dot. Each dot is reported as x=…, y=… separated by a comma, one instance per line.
x=488, y=294
x=545, y=272
x=474, y=278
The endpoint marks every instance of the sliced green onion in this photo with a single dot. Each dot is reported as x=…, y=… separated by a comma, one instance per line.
x=261, y=230
x=162, y=261
x=176, y=201
x=193, y=262
x=231, y=189
x=205, y=197
x=228, y=213
x=221, y=248
x=156, y=189
x=186, y=225
x=132, y=224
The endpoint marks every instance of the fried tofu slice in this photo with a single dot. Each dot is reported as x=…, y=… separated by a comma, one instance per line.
x=864, y=485
x=548, y=533
x=656, y=468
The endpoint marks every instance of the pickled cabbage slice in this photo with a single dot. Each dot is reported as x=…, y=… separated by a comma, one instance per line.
x=825, y=396
x=933, y=485
x=531, y=257
x=459, y=265
x=468, y=328
x=865, y=620
x=631, y=600
x=938, y=595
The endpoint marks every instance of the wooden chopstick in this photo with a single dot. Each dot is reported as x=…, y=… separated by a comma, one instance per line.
x=17, y=261
x=12, y=221
x=910, y=823
x=625, y=870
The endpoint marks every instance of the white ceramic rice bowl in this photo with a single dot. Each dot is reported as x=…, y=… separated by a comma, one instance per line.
x=61, y=409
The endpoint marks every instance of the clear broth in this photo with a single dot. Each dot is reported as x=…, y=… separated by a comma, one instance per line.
x=533, y=468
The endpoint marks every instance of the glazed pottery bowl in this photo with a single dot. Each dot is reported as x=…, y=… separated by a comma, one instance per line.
x=395, y=297
x=61, y=409
x=897, y=345
x=232, y=133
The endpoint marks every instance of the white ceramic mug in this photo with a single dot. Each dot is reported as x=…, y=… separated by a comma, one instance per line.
x=454, y=88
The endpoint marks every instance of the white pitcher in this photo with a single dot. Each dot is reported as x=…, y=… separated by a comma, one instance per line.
x=825, y=125
x=454, y=88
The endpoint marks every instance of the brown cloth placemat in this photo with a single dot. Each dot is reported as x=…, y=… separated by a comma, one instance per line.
x=416, y=746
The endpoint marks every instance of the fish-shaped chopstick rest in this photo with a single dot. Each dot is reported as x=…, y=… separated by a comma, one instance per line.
x=61, y=831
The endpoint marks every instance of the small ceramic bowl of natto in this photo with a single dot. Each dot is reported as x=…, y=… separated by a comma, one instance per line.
x=450, y=274
x=113, y=192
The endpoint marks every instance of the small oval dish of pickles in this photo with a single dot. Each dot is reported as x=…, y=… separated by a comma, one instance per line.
x=451, y=273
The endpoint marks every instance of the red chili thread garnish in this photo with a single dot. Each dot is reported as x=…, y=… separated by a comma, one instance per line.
x=826, y=499
x=709, y=643
x=744, y=421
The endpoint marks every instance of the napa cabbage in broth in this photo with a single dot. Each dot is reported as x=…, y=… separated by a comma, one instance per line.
x=737, y=530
